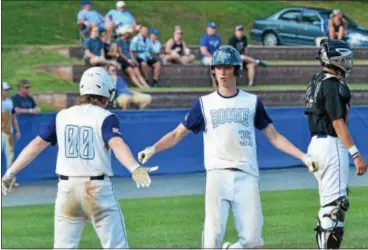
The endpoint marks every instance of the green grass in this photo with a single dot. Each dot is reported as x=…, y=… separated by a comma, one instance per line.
x=54, y=22
x=176, y=222
x=20, y=65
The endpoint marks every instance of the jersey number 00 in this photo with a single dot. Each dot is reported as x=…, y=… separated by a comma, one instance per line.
x=79, y=142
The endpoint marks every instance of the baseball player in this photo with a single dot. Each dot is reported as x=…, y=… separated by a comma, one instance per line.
x=228, y=117
x=327, y=108
x=85, y=134
x=8, y=124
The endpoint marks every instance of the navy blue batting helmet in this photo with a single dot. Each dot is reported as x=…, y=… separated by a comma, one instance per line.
x=227, y=55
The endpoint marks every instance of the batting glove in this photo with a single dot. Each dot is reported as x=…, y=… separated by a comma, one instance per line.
x=146, y=154
x=141, y=176
x=311, y=163
x=7, y=182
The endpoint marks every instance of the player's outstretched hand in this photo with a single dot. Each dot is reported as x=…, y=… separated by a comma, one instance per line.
x=312, y=164
x=7, y=182
x=146, y=154
x=360, y=165
x=141, y=176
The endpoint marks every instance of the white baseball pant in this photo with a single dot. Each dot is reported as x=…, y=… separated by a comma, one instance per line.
x=333, y=172
x=7, y=144
x=232, y=188
x=80, y=199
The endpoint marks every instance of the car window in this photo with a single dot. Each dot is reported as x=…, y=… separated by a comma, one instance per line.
x=291, y=16
x=311, y=19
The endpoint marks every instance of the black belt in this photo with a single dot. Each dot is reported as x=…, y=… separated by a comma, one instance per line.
x=233, y=169
x=322, y=136
x=92, y=178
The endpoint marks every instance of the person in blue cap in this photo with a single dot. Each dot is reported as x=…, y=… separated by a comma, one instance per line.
x=155, y=43
x=240, y=42
x=209, y=43
x=90, y=18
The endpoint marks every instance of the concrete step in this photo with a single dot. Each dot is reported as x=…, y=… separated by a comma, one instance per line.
x=199, y=75
x=295, y=53
x=184, y=99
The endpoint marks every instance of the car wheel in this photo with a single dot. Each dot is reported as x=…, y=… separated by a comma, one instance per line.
x=270, y=39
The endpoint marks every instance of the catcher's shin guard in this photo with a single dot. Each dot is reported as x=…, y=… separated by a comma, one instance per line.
x=330, y=225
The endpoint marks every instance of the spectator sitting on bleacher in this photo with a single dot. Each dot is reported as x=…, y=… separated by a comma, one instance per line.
x=176, y=50
x=140, y=49
x=124, y=96
x=155, y=43
x=240, y=42
x=120, y=16
x=127, y=64
x=209, y=43
x=94, y=53
x=89, y=19
x=23, y=102
x=337, y=25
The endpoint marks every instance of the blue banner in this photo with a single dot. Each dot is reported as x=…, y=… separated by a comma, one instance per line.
x=144, y=128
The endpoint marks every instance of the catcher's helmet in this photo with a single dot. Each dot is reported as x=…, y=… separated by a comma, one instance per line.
x=227, y=55
x=336, y=54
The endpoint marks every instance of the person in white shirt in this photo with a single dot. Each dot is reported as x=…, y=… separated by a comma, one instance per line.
x=228, y=118
x=85, y=191
x=9, y=124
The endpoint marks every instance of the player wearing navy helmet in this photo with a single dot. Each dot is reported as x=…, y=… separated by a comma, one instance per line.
x=228, y=118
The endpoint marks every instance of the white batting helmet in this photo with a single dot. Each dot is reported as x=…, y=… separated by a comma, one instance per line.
x=97, y=81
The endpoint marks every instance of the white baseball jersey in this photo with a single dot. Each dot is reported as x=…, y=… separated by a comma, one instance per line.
x=82, y=133
x=229, y=126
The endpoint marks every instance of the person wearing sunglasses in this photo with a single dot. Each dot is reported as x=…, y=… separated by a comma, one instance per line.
x=23, y=101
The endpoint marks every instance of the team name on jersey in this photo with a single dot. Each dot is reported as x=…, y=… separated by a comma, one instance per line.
x=230, y=115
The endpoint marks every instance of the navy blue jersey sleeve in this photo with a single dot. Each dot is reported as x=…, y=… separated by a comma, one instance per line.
x=194, y=120
x=261, y=118
x=110, y=128
x=48, y=133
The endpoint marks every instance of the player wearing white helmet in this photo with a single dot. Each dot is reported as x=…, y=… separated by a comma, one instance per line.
x=85, y=134
x=228, y=118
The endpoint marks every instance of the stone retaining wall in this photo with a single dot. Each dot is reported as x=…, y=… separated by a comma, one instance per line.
x=183, y=99
x=199, y=75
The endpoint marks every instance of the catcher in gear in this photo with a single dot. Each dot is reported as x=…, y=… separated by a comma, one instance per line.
x=327, y=106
